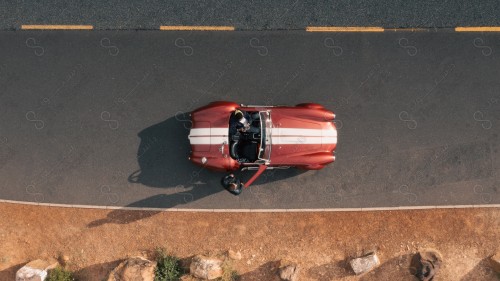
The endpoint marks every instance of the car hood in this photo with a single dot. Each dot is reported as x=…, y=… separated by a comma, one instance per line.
x=299, y=139
x=298, y=131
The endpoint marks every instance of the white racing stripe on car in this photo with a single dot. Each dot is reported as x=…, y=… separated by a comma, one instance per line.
x=303, y=140
x=208, y=135
x=208, y=140
x=199, y=132
x=209, y=132
x=279, y=136
x=303, y=136
x=303, y=132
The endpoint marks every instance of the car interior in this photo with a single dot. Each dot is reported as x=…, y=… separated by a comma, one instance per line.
x=244, y=146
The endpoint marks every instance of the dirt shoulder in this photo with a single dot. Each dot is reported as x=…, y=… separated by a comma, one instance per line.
x=95, y=241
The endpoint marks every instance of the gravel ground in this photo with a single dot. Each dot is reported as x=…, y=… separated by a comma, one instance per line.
x=95, y=241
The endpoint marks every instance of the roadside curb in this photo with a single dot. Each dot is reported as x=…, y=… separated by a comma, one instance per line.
x=399, y=208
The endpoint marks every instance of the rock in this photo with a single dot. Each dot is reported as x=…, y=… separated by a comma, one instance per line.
x=35, y=270
x=431, y=255
x=234, y=255
x=364, y=264
x=63, y=260
x=206, y=268
x=289, y=271
x=428, y=263
x=134, y=269
x=495, y=262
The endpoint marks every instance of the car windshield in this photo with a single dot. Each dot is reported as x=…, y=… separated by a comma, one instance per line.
x=265, y=138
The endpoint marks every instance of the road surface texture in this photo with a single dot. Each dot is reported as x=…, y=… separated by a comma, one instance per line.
x=101, y=117
x=251, y=15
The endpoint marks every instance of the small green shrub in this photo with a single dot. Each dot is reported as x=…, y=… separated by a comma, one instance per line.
x=60, y=274
x=167, y=268
x=230, y=276
x=228, y=273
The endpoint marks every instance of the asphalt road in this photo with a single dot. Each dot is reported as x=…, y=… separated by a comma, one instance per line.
x=99, y=118
x=251, y=15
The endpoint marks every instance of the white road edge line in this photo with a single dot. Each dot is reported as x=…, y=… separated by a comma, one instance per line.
x=252, y=210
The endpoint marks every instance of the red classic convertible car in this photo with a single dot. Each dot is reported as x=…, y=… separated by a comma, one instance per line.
x=227, y=136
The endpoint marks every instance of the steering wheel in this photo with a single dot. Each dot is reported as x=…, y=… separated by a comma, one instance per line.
x=233, y=151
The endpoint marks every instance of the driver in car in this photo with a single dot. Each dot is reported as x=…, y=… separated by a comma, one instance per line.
x=244, y=121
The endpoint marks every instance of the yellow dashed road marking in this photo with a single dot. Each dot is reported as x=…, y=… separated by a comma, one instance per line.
x=407, y=29
x=57, y=26
x=478, y=29
x=344, y=29
x=231, y=28
x=197, y=27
